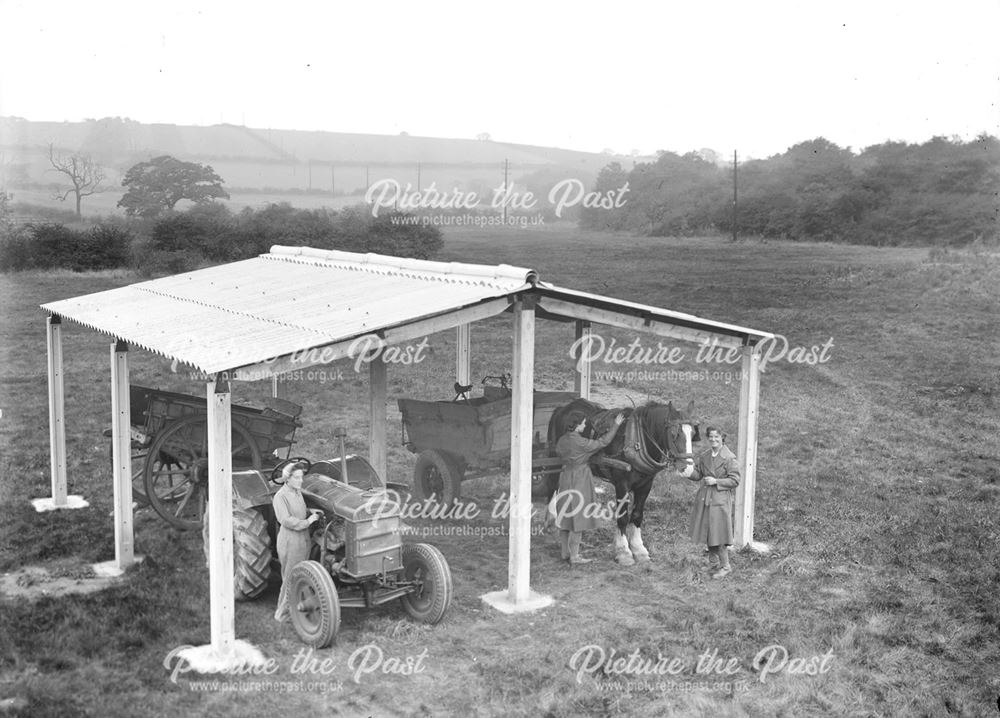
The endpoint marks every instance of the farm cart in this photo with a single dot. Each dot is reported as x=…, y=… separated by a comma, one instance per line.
x=170, y=448
x=358, y=559
x=468, y=438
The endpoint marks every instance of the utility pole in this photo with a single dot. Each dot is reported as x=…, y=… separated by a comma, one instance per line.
x=735, y=198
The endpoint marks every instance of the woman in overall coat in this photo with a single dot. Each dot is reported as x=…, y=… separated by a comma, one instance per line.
x=575, y=502
x=293, y=530
x=712, y=517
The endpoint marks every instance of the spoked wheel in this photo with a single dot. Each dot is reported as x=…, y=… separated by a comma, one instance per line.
x=439, y=475
x=140, y=455
x=176, y=471
x=315, y=607
x=426, y=565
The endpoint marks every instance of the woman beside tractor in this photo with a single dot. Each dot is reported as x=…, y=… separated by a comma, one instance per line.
x=294, y=521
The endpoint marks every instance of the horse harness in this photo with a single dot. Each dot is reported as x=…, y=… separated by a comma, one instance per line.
x=637, y=440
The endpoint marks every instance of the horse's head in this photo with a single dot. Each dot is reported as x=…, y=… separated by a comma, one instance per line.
x=675, y=429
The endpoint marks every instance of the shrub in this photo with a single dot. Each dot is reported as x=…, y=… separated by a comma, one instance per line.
x=46, y=246
x=15, y=249
x=103, y=246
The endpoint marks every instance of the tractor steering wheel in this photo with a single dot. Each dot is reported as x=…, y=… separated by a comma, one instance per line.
x=276, y=471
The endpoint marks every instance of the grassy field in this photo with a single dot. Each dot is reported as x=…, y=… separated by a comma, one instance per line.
x=878, y=491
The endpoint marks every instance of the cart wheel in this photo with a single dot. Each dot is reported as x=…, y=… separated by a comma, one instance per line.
x=437, y=474
x=139, y=459
x=314, y=604
x=177, y=468
x=426, y=565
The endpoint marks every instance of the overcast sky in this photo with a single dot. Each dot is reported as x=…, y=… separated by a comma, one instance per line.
x=754, y=76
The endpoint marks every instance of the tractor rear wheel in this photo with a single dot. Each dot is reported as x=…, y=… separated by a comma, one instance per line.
x=426, y=565
x=314, y=605
x=437, y=474
x=251, y=553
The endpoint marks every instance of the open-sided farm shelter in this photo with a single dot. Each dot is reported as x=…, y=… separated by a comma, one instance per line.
x=297, y=307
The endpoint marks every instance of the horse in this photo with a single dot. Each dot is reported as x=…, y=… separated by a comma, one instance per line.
x=652, y=436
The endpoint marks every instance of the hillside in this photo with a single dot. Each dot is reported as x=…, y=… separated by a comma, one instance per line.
x=269, y=159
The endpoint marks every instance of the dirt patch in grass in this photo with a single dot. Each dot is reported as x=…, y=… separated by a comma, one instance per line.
x=30, y=583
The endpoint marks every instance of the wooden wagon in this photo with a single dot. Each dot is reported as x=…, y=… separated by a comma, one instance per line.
x=469, y=438
x=170, y=448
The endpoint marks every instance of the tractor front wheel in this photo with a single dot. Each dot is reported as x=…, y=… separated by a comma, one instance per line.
x=315, y=607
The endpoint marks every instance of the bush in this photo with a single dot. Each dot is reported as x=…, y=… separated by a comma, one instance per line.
x=421, y=241
x=15, y=249
x=103, y=247
x=46, y=246
x=149, y=261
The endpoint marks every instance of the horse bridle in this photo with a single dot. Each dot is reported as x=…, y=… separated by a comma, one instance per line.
x=668, y=452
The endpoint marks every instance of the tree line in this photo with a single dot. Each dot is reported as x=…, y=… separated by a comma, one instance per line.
x=155, y=238
x=941, y=192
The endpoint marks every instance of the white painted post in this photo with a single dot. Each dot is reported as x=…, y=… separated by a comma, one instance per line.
x=463, y=354
x=57, y=411
x=519, y=566
x=57, y=424
x=121, y=455
x=581, y=379
x=377, y=455
x=747, y=448
x=220, y=517
x=519, y=597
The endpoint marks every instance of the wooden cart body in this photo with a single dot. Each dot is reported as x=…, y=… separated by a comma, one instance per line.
x=153, y=409
x=169, y=433
x=470, y=438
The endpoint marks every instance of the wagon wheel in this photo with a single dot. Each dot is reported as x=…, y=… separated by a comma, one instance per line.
x=177, y=468
x=140, y=455
x=437, y=474
x=314, y=604
x=426, y=565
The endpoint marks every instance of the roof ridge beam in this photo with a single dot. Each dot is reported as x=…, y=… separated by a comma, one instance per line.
x=378, y=263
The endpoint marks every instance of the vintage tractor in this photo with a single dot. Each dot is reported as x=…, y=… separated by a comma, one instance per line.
x=358, y=558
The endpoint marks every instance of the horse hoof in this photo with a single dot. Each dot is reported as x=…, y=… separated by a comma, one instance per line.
x=642, y=557
x=625, y=559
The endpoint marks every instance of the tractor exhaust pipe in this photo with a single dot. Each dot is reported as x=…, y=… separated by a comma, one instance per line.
x=340, y=433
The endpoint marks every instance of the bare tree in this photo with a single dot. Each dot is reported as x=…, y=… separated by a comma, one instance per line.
x=85, y=175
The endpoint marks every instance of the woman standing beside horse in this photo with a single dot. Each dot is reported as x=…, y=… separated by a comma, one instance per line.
x=712, y=517
x=575, y=501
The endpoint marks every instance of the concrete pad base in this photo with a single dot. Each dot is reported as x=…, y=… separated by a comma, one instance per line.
x=49, y=504
x=759, y=547
x=501, y=601
x=205, y=659
x=110, y=569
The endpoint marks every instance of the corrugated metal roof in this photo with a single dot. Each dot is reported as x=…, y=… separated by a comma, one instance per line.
x=289, y=300
x=297, y=298
x=650, y=312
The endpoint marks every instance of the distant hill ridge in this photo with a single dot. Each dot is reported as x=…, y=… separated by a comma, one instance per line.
x=117, y=141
